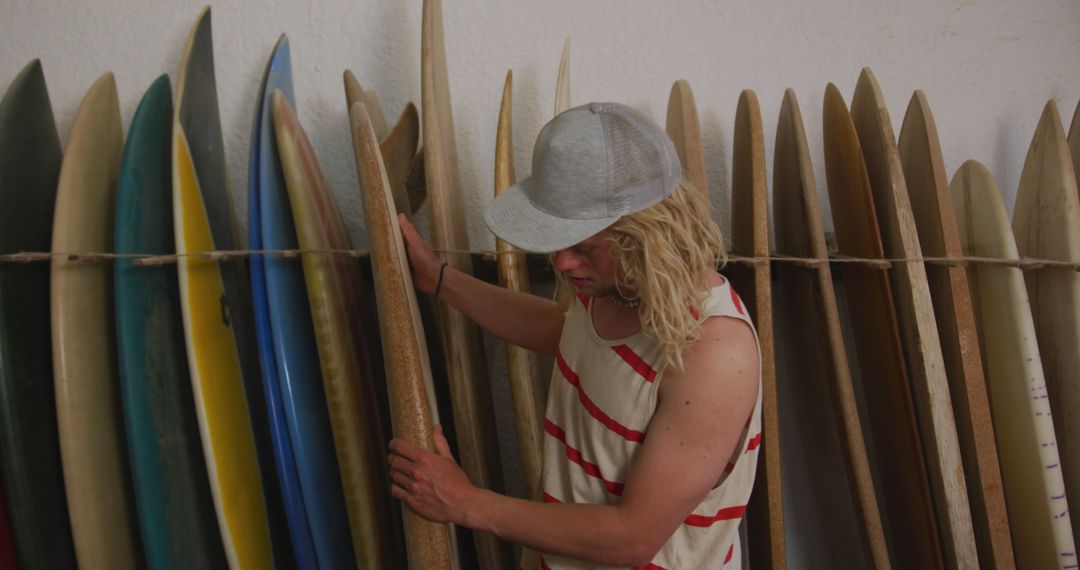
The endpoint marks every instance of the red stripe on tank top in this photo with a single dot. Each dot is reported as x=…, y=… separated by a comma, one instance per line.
x=738, y=302
x=543, y=563
x=636, y=362
x=730, y=553
x=584, y=300
x=755, y=442
x=591, y=407
x=650, y=566
x=574, y=455
x=725, y=514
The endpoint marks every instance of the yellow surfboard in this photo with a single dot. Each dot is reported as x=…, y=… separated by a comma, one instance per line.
x=216, y=377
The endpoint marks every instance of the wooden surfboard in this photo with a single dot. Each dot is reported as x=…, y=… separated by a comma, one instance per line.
x=685, y=132
x=172, y=494
x=92, y=443
x=334, y=297
x=750, y=237
x=915, y=316
x=562, y=80
x=216, y=375
x=826, y=469
x=407, y=370
x=906, y=504
x=1074, y=142
x=1027, y=447
x=29, y=446
x=1046, y=223
x=470, y=387
x=198, y=118
x=287, y=344
x=932, y=209
x=527, y=389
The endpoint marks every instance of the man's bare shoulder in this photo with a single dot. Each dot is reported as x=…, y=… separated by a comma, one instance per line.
x=724, y=359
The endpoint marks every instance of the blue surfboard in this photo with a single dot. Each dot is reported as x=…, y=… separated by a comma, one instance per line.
x=287, y=348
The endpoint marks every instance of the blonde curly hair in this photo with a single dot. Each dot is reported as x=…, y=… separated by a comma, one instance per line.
x=666, y=253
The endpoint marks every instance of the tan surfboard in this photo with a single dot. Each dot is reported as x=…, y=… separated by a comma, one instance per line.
x=527, y=388
x=932, y=209
x=1074, y=141
x=906, y=504
x=562, y=80
x=408, y=372
x=470, y=387
x=1027, y=446
x=399, y=145
x=825, y=465
x=685, y=131
x=918, y=329
x=92, y=444
x=1046, y=223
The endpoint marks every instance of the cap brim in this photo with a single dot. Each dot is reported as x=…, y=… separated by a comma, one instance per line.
x=517, y=221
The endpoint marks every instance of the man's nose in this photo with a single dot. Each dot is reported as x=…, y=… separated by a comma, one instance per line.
x=565, y=260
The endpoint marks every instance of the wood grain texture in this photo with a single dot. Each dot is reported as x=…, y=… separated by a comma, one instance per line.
x=29, y=448
x=92, y=443
x=918, y=329
x=685, y=131
x=470, y=387
x=932, y=209
x=527, y=388
x=407, y=368
x=1046, y=223
x=562, y=80
x=907, y=507
x=1027, y=447
x=334, y=295
x=824, y=453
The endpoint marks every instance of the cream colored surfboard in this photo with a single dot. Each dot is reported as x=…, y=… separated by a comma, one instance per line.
x=407, y=369
x=900, y=469
x=1046, y=223
x=527, y=388
x=92, y=444
x=216, y=377
x=1027, y=446
x=470, y=387
x=932, y=208
x=562, y=81
x=685, y=131
x=918, y=329
x=826, y=468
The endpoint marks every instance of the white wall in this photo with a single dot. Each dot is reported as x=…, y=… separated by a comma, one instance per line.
x=987, y=67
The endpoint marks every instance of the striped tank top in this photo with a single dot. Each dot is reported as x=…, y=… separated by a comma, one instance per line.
x=602, y=396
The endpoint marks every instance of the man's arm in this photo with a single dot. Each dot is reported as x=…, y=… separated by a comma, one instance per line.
x=526, y=320
x=701, y=413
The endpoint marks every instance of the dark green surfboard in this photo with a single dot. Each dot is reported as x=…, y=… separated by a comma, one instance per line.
x=29, y=445
x=176, y=511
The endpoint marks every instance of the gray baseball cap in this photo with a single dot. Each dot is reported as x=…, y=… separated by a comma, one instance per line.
x=591, y=165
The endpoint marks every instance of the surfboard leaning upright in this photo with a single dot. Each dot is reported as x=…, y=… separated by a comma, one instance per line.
x=1046, y=223
x=29, y=449
x=1039, y=518
x=826, y=463
x=918, y=330
x=469, y=383
x=407, y=369
x=932, y=210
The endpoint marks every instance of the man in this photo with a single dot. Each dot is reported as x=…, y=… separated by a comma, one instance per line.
x=653, y=417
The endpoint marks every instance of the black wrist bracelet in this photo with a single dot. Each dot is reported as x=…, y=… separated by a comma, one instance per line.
x=442, y=270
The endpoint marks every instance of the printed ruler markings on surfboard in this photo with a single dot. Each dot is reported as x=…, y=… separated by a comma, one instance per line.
x=30, y=160
x=907, y=511
x=932, y=210
x=94, y=454
x=1027, y=446
x=818, y=363
x=526, y=387
x=1046, y=223
x=918, y=329
x=469, y=381
x=408, y=371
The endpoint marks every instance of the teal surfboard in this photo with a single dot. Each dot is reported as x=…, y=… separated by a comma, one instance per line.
x=287, y=348
x=29, y=445
x=176, y=511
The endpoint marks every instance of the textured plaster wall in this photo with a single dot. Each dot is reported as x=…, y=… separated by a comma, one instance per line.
x=987, y=68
